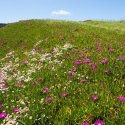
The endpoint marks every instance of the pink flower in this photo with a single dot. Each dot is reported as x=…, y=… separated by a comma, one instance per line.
x=94, y=98
x=19, y=83
x=83, y=80
x=48, y=68
x=46, y=89
x=74, y=68
x=0, y=105
x=24, y=46
x=106, y=71
x=111, y=50
x=85, y=50
x=61, y=39
x=122, y=59
x=87, y=61
x=95, y=92
x=99, y=48
x=78, y=62
x=61, y=32
x=104, y=61
x=16, y=110
x=24, y=62
x=72, y=76
x=40, y=69
x=102, y=83
x=85, y=123
x=64, y=94
x=40, y=79
x=48, y=99
x=121, y=98
x=3, y=115
x=70, y=73
x=99, y=122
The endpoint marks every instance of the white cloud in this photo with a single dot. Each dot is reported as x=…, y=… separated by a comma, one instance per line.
x=61, y=12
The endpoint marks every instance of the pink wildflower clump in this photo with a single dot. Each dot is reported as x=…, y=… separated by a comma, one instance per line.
x=16, y=110
x=40, y=79
x=70, y=73
x=106, y=71
x=24, y=62
x=74, y=68
x=121, y=99
x=64, y=94
x=83, y=80
x=85, y=123
x=61, y=39
x=111, y=50
x=48, y=99
x=3, y=115
x=46, y=89
x=122, y=59
x=35, y=83
x=19, y=83
x=0, y=105
x=87, y=61
x=99, y=122
x=78, y=62
x=104, y=61
x=72, y=76
x=94, y=98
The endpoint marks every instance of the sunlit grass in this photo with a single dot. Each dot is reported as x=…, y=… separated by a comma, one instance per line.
x=61, y=73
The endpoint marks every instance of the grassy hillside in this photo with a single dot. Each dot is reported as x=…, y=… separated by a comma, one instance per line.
x=62, y=73
x=119, y=26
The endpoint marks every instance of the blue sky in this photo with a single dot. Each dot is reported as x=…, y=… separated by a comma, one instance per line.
x=75, y=10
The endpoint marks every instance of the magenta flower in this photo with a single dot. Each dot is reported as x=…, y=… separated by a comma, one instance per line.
x=61, y=39
x=83, y=80
x=78, y=62
x=3, y=115
x=40, y=79
x=48, y=68
x=72, y=76
x=104, y=61
x=99, y=48
x=19, y=83
x=24, y=62
x=121, y=98
x=61, y=32
x=74, y=68
x=85, y=50
x=0, y=105
x=106, y=71
x=40, y=69
x=48, y=99
x=70, y=73
x=24, y=46
x=66, y=56
x=64, y=94
x=122, y=59
x=85, y=123
x=94, y=98
x=87, y=61
x=16, y=110
x=46, y=89
x=99, y=122
x=102, y=83
x=111, y=50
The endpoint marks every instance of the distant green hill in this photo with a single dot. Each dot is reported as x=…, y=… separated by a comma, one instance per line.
x=2, y=25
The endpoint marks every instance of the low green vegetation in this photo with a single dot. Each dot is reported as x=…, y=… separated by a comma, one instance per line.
x=62, y=73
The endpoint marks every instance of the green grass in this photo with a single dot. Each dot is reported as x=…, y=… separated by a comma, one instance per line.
x=57, y=47
x=118, y=26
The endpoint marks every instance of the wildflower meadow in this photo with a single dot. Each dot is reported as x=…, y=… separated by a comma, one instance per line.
x=55, y=72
